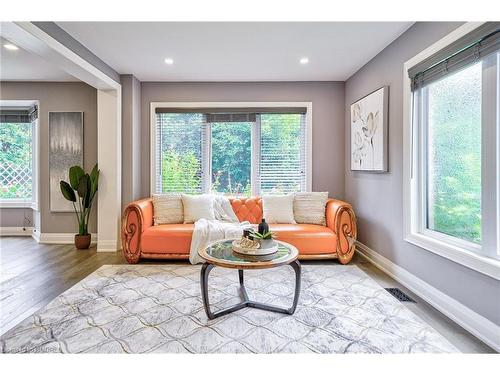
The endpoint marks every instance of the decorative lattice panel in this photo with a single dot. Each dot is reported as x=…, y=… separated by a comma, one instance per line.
x=15, y=181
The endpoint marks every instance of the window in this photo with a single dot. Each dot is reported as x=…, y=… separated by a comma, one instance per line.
x=452, y=117
x=231, y=151
x=453, y=146
x=180, y=148
x=17, y=128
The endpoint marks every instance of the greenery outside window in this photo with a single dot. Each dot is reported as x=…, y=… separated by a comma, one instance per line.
x=17, y=163
x=452, y=146
x=231, y=157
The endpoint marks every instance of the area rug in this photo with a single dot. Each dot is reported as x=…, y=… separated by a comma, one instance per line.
x=158, y=309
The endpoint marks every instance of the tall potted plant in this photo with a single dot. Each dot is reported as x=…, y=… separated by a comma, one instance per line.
x=81, y=191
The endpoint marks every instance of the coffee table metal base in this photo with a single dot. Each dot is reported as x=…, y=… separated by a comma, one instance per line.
x=246, y=302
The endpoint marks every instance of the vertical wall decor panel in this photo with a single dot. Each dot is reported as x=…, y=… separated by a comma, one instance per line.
x=65, y=151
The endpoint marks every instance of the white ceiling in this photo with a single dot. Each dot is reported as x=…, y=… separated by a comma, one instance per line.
x=236, y=51
x=21, y=65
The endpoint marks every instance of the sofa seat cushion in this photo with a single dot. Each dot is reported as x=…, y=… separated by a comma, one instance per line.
x=167, y=239
x=308, y=238
x=176, y=238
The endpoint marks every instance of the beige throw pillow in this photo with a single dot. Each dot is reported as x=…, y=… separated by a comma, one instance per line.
x=309, y=208
x=278, y=209
x=198, y=207
x=167, y=209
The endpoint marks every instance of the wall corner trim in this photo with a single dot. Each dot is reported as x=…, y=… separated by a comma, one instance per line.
x=36, y=235
x=476, y=324
x=66, y=39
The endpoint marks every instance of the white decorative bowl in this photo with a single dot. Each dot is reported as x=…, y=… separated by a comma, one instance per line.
x=268, y=248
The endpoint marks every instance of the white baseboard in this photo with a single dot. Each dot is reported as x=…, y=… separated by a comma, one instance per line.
x=58, y=238
x=478, y=325
x=16, y=231
x=108, y=246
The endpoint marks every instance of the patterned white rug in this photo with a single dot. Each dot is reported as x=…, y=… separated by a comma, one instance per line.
x=158, y=308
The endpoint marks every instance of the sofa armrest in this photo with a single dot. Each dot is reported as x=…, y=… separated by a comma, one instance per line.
x=340, y=218
x=137, y=217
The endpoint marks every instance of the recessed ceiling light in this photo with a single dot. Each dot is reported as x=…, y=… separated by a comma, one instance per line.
x=304, y=60
x=10, y=46
x=169, y=61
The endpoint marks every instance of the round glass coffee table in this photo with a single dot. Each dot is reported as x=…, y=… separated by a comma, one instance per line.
x=221, y=254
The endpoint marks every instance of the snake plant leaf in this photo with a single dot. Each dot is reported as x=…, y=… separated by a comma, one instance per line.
x=94, y=180
x=262, y=236
x=67, y=191
x=87, y=198
x=94, y=173
x=75, y=173
x=95, y=186
x=83, y=185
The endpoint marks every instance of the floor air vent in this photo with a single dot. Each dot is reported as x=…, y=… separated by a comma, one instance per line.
x=396, y=292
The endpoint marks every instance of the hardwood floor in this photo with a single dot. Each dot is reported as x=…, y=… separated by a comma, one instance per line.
x=32, y=274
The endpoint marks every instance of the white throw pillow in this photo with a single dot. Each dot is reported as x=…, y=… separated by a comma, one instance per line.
x=278, y=209
x=167, y=209
x=309, y=208
x=198, y=207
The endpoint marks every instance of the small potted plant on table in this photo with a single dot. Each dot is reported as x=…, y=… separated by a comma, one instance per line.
x=266, y=238
x=85, y=187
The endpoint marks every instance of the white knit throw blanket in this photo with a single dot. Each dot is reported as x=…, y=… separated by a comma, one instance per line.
x=225, y=227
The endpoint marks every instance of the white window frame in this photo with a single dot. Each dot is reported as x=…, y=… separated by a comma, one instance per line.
x=255, y=136
x=35, y=160
x=414, y=227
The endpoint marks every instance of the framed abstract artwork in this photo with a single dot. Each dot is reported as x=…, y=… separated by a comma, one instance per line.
x=65, y=150
x=369, y=118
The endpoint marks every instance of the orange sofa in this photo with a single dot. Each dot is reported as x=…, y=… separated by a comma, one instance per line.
x=142, y=239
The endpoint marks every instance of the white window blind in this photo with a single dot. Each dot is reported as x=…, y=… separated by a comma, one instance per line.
x=282, y=153
x=180, y=145
x=230, y=153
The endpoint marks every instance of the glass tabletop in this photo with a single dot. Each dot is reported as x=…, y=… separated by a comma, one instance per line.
x=221, y=253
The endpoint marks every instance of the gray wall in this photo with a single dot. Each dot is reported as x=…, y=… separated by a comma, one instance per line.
x=15, y=217
x=328, y=118
x=377, y=198
x=131, y=139
x=57, y=96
